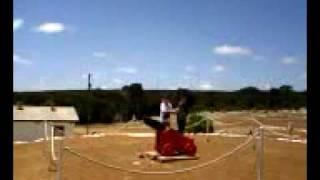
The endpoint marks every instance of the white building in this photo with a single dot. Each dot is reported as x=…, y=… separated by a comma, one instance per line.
x=35, y=122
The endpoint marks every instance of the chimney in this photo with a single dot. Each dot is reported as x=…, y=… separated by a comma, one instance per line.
x=19, y=106
x=53, y=108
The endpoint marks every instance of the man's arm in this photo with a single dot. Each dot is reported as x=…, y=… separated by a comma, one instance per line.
x=173, y=110
x=163, y=108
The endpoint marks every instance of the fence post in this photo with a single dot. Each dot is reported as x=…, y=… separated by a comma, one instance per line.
x=46, y=130
x=290, y=128
x=59, y=160
x=52, y=144
x=207, y=129
x=260, y=154
x=207, y=125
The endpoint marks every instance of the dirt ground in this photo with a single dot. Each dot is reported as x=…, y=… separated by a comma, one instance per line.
x=282, y=160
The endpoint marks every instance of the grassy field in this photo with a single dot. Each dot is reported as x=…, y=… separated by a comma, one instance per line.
x=282, y=160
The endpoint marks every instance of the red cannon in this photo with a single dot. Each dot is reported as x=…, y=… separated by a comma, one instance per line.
x=171, y=142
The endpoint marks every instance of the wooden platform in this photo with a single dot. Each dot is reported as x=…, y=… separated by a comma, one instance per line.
x=153, y=155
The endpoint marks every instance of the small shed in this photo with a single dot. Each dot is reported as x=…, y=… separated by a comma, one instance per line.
x=35, y=122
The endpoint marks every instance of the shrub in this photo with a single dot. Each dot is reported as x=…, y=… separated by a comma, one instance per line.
x=198, y=123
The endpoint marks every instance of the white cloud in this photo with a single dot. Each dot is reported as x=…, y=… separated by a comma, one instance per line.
x=99, y=54
x=289, y=60
x=19, y=60
x=41, y=84
x=172, y=87
x=104, y=87
x=218, y=68
x=84, y=76
x=258, y=58
x=303, y=76
x=232, y=50
x=117, y=81
x=128, y=70
x=17, y=23
x=51, y=28
x=186, y=77
x=206, y=86
x=190, y=68
x=266, y=86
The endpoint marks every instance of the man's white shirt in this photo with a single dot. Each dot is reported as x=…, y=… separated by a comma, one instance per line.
x=164, y=108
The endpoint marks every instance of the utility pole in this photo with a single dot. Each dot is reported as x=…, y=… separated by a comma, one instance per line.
x=88, y=112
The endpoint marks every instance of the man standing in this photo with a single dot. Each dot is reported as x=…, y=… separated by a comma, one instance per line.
x=165, y=109
x=182, y=114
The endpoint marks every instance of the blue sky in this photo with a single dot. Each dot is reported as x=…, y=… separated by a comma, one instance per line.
x=205, y=44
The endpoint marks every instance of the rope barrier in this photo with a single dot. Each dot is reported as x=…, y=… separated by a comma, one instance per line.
x=190, y=126
x=256, y=121
x=229, y=124
x=125, y=125
x=277, y=133
x=252, y=118
x=224, y=156
x=266, y=127
x=192, y=168
x=195, y=123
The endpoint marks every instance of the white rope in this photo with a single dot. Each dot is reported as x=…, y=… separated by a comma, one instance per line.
x=230, y=124
x=264, y=126
x=278, y=133
x=195, y=123
x=124, y=125
x=256, y=121
x=268, y=128
x=237, y=148
x=252, y=118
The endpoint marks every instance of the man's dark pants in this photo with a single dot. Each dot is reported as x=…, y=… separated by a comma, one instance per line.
x=181, y=118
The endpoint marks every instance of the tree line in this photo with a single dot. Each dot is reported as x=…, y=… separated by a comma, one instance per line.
x=107, y=106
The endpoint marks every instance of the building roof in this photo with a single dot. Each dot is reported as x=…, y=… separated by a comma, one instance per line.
x=40, y=113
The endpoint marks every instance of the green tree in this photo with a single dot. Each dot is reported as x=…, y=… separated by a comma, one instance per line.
x=286, y=89
x=134, y=96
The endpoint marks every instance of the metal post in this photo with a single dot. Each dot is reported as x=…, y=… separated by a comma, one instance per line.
x=89, y=88
x=260, y=154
